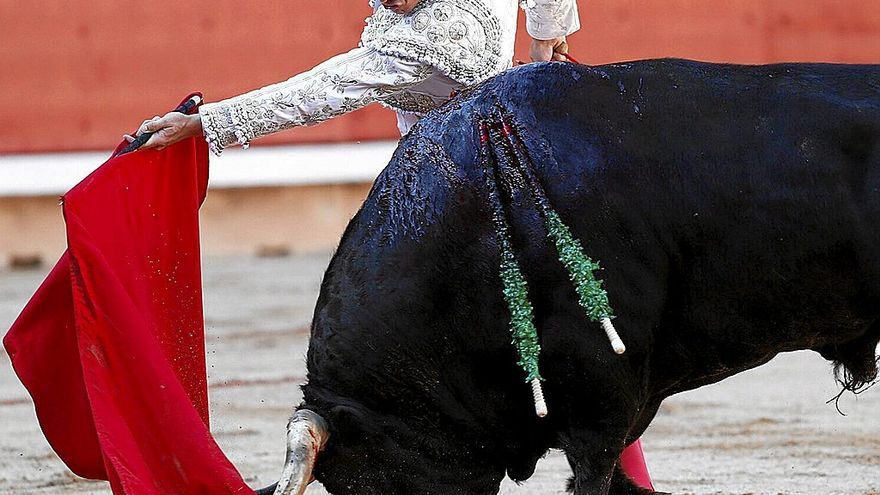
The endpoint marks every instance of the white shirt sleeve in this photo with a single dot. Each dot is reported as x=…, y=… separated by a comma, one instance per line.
x=340, y=85
x=546, y=19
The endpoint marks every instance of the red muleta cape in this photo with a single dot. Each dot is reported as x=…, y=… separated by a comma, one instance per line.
x=111, y=346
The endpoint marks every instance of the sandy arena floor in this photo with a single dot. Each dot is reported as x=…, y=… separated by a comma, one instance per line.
x=767, y=431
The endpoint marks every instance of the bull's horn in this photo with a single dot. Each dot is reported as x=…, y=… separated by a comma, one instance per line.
x=306, y=435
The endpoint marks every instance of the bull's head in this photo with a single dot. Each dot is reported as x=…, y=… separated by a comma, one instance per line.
x=363, y=459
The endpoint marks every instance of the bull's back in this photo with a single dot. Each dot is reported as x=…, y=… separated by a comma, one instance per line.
x=735, y=202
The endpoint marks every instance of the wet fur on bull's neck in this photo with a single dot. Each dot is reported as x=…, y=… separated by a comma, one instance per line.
x=735, y=211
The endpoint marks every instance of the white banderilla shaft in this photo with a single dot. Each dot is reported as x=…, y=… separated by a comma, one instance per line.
x=538, y=394
x=616, y=342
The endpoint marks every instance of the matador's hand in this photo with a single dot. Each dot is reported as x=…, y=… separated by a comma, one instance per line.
x=546, y=50
x=167, y=130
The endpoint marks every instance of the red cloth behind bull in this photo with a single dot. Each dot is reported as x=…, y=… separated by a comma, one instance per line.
x=111, y=346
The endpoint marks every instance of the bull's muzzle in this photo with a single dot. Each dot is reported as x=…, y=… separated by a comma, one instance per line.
x=306, y=435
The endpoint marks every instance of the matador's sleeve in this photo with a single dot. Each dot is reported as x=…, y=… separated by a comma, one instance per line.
x=546, y=19
x=342, y=84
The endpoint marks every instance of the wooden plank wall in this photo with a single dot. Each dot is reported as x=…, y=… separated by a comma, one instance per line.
x=75, y=74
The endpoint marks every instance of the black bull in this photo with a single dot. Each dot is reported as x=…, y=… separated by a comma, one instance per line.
x=735, y=211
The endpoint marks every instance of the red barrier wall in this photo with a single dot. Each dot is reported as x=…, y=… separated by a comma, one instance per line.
x=76, y=74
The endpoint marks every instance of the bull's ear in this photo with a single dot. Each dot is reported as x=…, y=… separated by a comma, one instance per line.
x=350, y=423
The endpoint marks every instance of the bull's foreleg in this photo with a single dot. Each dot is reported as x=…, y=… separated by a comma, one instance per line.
x=592, y=462
x=593, y=458
x=621, y=484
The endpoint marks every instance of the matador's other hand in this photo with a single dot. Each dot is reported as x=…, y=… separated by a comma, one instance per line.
x=546, y=50
x=169, y=129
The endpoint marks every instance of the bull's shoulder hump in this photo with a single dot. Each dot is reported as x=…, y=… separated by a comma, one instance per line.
x=554, y=77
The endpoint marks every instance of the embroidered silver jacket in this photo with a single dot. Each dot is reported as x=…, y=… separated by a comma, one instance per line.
x=409, y=62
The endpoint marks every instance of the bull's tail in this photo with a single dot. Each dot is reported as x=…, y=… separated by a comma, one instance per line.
x=855, y=362
x=500, y=149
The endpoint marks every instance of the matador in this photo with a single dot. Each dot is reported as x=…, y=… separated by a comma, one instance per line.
x=412, y=56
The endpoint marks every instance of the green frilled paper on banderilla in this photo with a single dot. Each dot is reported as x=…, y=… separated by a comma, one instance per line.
x=591, y=296
x=522, y=324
